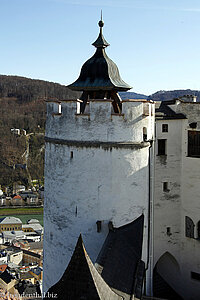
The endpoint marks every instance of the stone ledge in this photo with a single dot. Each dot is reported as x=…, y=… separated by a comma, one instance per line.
x=98, y=144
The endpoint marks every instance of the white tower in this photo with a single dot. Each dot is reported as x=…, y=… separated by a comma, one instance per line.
x=97, y=164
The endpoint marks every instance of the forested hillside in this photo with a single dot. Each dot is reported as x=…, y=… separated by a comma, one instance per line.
x=168, y=95
x=26, y=89
x=22, y=106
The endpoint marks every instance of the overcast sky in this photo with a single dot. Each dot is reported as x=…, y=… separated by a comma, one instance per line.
x=155, y=43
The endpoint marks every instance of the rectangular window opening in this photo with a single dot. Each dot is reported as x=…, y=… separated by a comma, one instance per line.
x=164, y=127
x=195, y=275
x=71, y=154
x=78, y=108
x=193, y=143
x=59, y=108
x=165, y=187
x=144, y=134
x=98, y=226
x=162, y=146
x=169, y=231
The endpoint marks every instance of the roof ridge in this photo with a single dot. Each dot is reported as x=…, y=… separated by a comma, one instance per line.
x=81, y=279
x=98, y=280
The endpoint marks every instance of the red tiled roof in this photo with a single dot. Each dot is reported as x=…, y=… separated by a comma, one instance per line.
x=17, y=197
x=3, y=267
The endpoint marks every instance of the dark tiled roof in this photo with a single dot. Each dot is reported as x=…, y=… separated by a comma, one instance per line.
x=81, y=280
x=14, y=249
x=36, y=270
x=27, y=288
x=26, y=275
x=36, y=245
x=165, y=112
x=119, y=257
x=31, y=253
x=99, y=72
x=6, y=276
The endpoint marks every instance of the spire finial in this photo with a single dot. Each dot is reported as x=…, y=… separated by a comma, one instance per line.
x=101, y=42
x=101, y=23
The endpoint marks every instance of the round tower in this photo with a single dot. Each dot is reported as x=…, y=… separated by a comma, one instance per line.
x=97, y=164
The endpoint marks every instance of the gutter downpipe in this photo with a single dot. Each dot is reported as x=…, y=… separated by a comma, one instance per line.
x=149, y=264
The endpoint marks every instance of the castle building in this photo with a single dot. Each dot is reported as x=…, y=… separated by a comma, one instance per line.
x=176, y=199
x=98, y=182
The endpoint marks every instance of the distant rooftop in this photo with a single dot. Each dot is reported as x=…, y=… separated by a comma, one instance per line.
x=6, y=276
x=163, y=111
x=10, y=220
x=33, y=221
x=3, y=267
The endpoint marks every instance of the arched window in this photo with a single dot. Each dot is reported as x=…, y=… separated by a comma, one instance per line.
x=189, y=227
x=198, y=230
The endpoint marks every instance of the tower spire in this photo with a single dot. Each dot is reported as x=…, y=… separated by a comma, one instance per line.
x=99, y=77
x=100, y=41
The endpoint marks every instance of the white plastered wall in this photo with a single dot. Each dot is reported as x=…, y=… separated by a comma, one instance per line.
x=96, y=182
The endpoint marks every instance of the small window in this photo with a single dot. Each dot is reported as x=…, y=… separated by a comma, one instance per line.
x=98, y=226
x=71, y=154
x=165, y=187
x=193, y=125
x=198, y=230
x=194, y=143
x=161, y=146
x=195, y=275
x=189, y=227
x=169, y=231
x=78, y=108
x=59, y=108
x=87, y=108
x=144, y=134
x=164, y=127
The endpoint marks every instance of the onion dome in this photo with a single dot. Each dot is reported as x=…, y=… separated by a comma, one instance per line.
x=99, y=73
